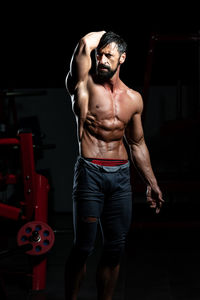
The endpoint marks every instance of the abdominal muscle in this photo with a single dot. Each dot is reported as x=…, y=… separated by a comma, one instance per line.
x=103, y=139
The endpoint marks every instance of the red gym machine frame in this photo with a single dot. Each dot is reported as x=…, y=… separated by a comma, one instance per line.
x=34, y=205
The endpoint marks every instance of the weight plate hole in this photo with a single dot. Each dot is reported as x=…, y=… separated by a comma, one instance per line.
x=24, y=238
x=38, y=227
x=28, y=229
x=46, y=233
x=38, y=248
x=46, y=242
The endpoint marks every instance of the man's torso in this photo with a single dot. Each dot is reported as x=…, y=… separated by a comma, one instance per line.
x=102, y=118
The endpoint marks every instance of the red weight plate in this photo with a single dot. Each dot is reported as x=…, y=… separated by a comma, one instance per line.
x=39, y=235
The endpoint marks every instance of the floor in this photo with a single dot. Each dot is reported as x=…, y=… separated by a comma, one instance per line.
x=161, y=262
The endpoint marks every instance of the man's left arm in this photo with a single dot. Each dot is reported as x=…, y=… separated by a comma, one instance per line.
x=141, y=158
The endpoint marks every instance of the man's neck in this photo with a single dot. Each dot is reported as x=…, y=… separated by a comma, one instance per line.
x=112, y=84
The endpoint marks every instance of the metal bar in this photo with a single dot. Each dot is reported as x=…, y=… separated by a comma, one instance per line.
x=10, y=212
x=9, y=141
x=41, y=214
x=28, y=173
x=23, y=94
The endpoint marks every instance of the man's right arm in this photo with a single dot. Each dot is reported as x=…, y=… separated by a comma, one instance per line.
x=81, y=63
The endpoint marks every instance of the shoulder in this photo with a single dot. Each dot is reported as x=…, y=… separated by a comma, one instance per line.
x=135, y=98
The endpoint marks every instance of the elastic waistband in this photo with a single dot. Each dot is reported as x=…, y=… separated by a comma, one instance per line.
x=107, y=162
x=94, y=166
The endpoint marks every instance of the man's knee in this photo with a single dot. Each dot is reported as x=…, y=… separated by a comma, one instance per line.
x=85, y=238
x=111, y=257
x=89, y=219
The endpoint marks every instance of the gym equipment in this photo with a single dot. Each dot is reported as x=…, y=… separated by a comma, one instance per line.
x=38, y=235
x=32, y=206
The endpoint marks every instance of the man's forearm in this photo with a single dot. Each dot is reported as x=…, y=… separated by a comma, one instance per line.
x=141, y=159
x=92, y=39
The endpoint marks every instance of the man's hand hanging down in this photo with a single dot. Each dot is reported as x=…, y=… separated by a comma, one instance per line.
x=154, y=198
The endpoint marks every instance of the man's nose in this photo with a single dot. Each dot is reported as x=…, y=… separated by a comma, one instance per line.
x=103, y=59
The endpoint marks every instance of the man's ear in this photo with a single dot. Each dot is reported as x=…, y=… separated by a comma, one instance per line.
x=122, y=58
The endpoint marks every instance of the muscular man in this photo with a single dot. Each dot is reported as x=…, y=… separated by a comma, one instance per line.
x=108, y=113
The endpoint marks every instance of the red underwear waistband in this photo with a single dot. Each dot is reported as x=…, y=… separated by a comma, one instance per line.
x=107, y=162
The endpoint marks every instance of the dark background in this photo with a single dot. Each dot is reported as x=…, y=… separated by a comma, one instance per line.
x=38, y=39
x=36, y=43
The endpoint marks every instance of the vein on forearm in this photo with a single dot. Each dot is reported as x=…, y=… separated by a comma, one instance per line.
x=141, y=159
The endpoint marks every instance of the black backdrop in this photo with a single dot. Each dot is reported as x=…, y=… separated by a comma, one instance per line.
x=37, y=39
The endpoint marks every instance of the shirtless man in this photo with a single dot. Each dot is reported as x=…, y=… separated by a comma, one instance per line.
x=107, y=112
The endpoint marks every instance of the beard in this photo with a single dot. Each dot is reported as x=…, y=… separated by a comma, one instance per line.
x=105, y=74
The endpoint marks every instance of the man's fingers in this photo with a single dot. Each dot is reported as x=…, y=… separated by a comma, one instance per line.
x=161, y=200
x=149, y=198
x=148, y=191
x=154, y=199
x=154, y=204
x=157, y=210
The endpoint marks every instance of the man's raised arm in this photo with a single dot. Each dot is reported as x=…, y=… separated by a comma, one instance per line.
x=81, y=63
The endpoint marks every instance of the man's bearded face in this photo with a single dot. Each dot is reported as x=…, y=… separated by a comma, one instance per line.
x=108, y=60
x=105, y=72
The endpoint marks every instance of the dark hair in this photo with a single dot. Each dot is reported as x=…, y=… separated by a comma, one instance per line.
x=110, y=37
